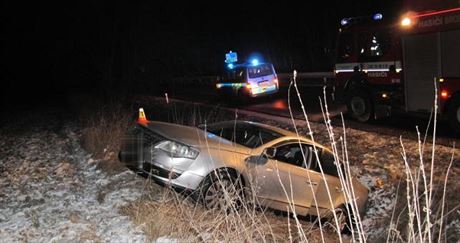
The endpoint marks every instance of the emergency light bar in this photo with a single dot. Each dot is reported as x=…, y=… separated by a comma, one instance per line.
x=344, y=21
x=377, y=16
x=437, y=12
x=407, y=20
x=347, y=21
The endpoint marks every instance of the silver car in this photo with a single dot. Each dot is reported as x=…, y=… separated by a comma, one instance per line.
x=277, y=166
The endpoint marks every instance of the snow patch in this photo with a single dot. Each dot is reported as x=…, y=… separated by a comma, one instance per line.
x=50, y=189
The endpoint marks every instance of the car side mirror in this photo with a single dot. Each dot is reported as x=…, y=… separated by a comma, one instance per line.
x=270, y=152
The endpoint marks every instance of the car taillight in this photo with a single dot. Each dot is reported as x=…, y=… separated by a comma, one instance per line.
x=444, y=94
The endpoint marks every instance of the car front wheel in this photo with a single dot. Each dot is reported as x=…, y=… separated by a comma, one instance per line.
x=222, y=191
x=343, y=220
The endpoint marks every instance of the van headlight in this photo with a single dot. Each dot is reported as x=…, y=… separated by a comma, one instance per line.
x=177, y=150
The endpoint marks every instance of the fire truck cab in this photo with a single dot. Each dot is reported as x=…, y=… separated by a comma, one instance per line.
x=392, y=65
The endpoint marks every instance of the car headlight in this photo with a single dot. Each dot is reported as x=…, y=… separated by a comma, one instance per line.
x=177, y=150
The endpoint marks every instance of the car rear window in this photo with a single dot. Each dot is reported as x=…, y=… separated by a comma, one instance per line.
x=260, y=70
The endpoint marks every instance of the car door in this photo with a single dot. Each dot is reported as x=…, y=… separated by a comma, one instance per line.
x=283, y=179
x=330, y=181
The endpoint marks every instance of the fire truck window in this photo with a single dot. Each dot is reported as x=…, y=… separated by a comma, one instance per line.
x=363, y=45
x=375, y=47
x=372, y=46
x=345, y=47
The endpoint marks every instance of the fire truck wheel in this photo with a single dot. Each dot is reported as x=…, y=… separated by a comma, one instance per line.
x=454, y=114
x=359, y=106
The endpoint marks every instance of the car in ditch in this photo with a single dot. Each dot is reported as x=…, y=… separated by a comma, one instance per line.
x=244, y=159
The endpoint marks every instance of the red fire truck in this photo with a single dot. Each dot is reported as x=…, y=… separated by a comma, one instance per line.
x=385, y=65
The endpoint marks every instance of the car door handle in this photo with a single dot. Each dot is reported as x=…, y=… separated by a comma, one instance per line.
x=312, y=183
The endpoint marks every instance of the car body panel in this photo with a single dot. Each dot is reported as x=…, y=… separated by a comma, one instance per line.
x=279, y=184
x=276, y=183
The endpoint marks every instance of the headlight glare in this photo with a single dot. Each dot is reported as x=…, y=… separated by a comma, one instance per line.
x=177, y=150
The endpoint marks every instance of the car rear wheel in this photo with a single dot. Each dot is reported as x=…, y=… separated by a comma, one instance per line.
x=222, y=191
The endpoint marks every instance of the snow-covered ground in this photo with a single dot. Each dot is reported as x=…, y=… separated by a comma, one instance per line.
x=51, y=191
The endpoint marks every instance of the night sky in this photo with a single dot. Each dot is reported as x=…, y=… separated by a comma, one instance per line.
x=101, y=46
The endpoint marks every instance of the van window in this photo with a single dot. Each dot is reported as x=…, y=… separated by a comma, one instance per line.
x=260, y=70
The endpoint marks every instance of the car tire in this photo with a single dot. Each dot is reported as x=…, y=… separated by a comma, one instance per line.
x=453, y=113
x=359, y=106
x=344, y=220
x=222, y=190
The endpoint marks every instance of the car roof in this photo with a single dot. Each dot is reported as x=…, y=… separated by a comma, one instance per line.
x=249, y=65
x=287, y=135
x=251, y=123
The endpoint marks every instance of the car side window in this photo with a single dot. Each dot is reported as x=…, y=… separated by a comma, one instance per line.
x=261, y=137
x=246, y=135
x=327, y=163
x=292, y=154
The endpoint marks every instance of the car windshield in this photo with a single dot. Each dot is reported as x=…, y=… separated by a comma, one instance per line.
x=250, y=136
x=260, y=70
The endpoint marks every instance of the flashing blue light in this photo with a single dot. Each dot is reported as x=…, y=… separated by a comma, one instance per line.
x=231, y=57
x=255, y=62
x=230, y=66
x=377, y=16
x=344, y=22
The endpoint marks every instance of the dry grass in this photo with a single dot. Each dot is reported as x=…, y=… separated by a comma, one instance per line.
x=410, y=222
x=171, y=214
x=103, y=133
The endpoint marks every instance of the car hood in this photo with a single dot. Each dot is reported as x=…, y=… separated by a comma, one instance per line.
x=194, y=136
